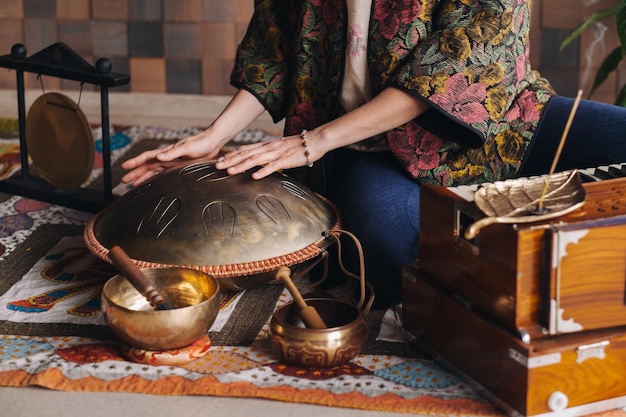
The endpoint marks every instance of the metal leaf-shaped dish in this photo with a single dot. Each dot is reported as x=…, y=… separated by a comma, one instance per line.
x=520, y=200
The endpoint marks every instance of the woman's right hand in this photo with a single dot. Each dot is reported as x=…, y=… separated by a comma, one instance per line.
x=152, y=162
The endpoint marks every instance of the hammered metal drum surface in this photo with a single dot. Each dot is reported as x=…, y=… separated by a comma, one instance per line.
x=225, y=225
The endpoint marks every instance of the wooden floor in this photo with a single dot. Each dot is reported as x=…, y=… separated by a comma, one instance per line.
x=146, y=109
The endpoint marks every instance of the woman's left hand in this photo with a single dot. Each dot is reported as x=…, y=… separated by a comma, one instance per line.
x=271, y=156
x=391, y=108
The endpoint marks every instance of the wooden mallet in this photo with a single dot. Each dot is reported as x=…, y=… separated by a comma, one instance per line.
x=309, y=315
x=136, y=277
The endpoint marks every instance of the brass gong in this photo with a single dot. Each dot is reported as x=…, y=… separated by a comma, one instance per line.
x=60, y=141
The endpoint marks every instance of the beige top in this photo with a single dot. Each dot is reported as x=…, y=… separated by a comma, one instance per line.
x=356, y=89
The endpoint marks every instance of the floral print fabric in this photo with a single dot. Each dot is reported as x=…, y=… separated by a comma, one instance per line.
x=467, y=58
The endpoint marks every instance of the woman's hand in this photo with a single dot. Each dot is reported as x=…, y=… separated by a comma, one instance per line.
x=271, y=156
x=242, y=110
x=389, y=109
x=153, y=162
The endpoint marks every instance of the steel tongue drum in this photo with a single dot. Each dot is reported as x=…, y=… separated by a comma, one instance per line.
x=235, y=228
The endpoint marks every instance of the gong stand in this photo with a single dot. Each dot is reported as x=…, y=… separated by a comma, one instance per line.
x=60, y=61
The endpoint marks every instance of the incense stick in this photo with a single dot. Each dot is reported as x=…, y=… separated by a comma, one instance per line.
x=568, y=125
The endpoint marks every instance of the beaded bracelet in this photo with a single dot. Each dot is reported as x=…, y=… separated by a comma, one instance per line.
x=307, y=154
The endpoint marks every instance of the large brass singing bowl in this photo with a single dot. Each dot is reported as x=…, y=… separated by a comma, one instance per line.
x=194, y=294
x=236, y=229
x=341, y=342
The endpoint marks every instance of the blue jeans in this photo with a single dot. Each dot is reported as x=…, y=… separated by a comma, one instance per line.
x=380, y=204
x=597, y=137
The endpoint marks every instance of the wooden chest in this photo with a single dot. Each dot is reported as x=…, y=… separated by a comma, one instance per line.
x=566, y=375
x=536, y=280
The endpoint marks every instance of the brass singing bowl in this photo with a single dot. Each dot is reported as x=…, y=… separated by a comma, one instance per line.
x=194, y=294
x=339, y=343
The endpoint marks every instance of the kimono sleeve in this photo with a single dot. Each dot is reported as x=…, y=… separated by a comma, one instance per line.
x=261, y=65
x=469, y=66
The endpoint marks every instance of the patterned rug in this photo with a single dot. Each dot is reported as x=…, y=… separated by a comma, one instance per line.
x=52, y=333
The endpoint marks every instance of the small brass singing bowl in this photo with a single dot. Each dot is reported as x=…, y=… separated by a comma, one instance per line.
x=340, y=342
x=194, y=295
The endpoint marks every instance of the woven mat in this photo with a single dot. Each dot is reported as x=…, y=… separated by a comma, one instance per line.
x=52, y=333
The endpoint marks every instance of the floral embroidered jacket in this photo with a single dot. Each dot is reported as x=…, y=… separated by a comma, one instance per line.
x=467, y=58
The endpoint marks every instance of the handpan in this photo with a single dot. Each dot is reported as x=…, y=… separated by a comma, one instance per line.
x=237, y=229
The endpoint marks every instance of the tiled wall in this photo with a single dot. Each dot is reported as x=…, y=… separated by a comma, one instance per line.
x=576, y=65
x=188, y=46
x=175, y=46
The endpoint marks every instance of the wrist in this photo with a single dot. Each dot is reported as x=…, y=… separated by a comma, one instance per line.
x=320, y=140
x=305, y=144
x=215, y=134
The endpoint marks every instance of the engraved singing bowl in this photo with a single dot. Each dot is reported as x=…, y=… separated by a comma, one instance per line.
x=340, y=342
x=194, y=295
x=232, y=227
